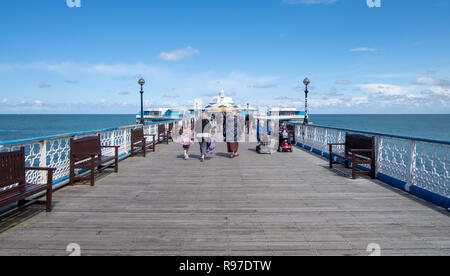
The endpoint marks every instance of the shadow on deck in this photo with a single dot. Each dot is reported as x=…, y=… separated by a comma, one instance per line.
x=280, y=204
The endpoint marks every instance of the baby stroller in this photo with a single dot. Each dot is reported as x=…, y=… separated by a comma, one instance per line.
x=264, y=145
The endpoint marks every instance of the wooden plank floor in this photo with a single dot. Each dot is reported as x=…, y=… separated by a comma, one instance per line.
x=284, y=204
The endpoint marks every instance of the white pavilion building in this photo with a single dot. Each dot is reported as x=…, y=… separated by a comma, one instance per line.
x=222, y=103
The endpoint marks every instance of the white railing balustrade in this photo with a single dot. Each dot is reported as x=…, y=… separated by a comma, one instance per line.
x=54, y=151
x=411, y=162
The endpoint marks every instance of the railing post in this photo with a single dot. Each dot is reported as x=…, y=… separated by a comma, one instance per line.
x=113, y=138
x=313, y=142
x=42, y=160
x=125, y=141
x=378, y=154
x=412, y=164
x=325, y=141
x=305, y=135
x=308, y=133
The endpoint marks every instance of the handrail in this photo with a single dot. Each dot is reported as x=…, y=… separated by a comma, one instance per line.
x=380, y=134
x=57, y=136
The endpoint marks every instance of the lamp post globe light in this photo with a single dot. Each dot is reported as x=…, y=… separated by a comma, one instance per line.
x=306, y=82
x=141, y=83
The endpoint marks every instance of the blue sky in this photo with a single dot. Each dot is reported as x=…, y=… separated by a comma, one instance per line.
x=393, y=59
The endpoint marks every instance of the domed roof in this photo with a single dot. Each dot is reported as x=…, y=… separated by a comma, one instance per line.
x=222, y=94
x=222, y=101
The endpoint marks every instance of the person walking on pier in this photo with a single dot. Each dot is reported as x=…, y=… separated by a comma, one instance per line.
x=232, y=133
x=203, y=134
x=187, y=138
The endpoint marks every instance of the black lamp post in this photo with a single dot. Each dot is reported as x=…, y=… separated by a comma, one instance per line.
x=247, y=118
x=306, y=82
x=141, y=83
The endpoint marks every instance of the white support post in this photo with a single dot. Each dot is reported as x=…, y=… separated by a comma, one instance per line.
x=313, y=143
x=305, y=135
x=113, y=138
x=124, y=147
x=378, y=152
x=42, y=160
x=412, y=164
x=325, y=141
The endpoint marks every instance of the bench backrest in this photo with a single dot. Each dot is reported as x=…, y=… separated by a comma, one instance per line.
x=291, y=129
x=83, y=148
x=161, y=129
x=137, y=135
x=12, y=168
x=358, y=141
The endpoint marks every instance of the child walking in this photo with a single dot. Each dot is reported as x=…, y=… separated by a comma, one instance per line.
x=187, y=139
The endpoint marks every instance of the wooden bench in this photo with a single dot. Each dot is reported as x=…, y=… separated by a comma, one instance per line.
x=86, y=153
x=13, y=178
x=139, y=141
x=359, y=149
x=162, y=134
x=169, y=133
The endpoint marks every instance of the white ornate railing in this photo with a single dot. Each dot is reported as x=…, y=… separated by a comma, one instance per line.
x=419, y=166
x=53, y=151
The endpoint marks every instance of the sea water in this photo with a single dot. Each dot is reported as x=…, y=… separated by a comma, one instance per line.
x=436, y=127
x=15, y=127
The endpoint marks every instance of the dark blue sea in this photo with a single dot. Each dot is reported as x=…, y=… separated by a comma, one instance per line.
x=436, y=127
x=15, y=127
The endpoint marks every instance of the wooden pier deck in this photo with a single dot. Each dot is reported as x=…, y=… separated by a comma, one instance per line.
x=284, y=204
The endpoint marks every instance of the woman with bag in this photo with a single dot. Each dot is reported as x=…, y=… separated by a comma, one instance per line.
x=203, y=134
x=232, y=133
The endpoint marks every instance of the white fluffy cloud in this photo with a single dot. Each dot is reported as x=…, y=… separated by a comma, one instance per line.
x=179, y=54
x=432, y=81
x=384, y=89
x=440, y=91
x=383, y=97
x=426, y=94
x=425, y=81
